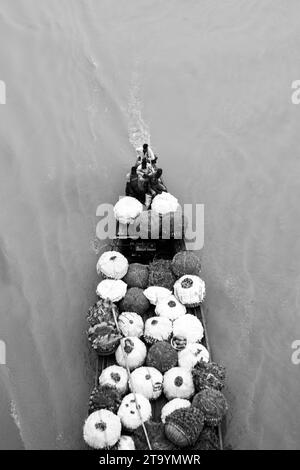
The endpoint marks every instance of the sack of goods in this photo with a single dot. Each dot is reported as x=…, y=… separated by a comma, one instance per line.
x=209, y=375
x=148, y=381
x=131, y=416
x=157, y=329
x=103, y=334
x=184, y=426
x=125, y=443
x=135, y=301
x=188, y=327
x=162, y=356
x=131, y=324
x=137, y=275
x=112, y=264
x=213, y=405
x=132, y=352
x=102, y=429
x=102, y=311
x=170, y=308
x=104, y=398
x=115, y=377
x=156, y=293
x=161, y=274
x=192, y=354
x=190, y=290
x=172, y=405
x=164, y=203
x=111, y=289
x=186, y=262
x=127, y=210
x=178, y=383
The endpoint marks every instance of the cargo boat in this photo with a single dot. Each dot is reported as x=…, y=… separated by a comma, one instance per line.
x=144, y=251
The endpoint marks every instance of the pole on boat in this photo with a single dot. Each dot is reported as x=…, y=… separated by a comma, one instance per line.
x=129, y=378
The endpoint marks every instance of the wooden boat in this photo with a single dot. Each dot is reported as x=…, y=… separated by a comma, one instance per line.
x=144, y=251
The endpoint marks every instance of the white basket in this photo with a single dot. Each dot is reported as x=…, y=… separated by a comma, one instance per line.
x=111, y=289
x=164, y=203
x=112, y=264
x=127, y=210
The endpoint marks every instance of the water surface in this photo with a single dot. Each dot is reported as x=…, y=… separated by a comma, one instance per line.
x=209, y=82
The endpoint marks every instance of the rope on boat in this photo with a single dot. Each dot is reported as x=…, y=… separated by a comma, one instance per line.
x=131, y=383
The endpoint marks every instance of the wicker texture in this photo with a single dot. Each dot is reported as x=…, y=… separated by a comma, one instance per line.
x=135, y=301
x=213, y=405
x=162, y=356
x=161, y=274
x=137, y=275
x=183, y=427
x=186, y=262
x=172, y=405
x=209, y=374
x=104, y=397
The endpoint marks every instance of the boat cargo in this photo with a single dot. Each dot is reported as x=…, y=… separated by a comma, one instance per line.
x=156, y=385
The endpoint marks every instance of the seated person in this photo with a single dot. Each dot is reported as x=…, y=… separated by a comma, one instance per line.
x=154, y=162
x=133, y=186
x=155, y=183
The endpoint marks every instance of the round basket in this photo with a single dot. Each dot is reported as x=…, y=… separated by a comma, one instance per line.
x=190, y=290
x=112, y=265
x=186, y=262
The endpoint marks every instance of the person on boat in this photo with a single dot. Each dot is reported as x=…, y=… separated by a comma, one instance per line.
x=145, y=169
x=146, y=152
x=133, y=186
x=156, y=184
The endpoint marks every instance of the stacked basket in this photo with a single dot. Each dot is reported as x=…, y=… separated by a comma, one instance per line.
x=144, y=316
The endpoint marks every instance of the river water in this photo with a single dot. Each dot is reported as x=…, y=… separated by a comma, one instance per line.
x=209, y=84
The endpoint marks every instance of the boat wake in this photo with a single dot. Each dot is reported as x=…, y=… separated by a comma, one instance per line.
x=5, y=378
x=138, y=130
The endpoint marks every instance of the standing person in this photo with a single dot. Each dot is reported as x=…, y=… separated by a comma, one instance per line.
x=146, y=152
x=144, y=171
